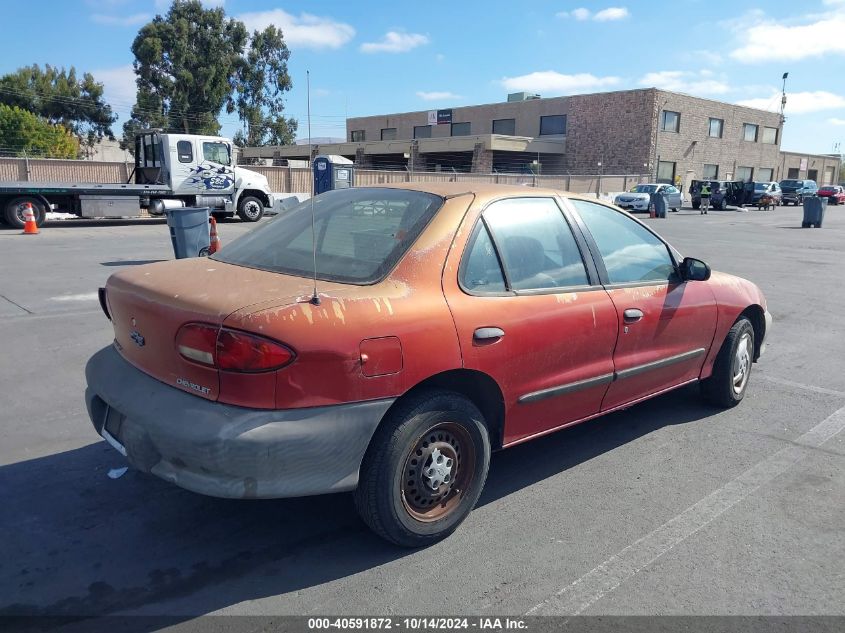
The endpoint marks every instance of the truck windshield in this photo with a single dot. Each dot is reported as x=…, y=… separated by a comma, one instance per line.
x=360, y=235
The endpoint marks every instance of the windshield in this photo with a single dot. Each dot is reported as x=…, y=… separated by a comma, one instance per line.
x=360, y=235
x=791, y=183
x=645, y=188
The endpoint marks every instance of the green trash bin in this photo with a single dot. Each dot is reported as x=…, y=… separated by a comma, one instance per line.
x=189, y=231
x=814, y=208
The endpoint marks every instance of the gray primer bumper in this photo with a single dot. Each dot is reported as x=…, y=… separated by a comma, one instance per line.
x=228, y=451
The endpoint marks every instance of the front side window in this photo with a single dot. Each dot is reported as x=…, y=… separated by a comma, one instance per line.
x=555, y=124
x=360, y=235
x=536, y=244
x=671, y=121
x=461, y=129
x=504, y=126
x=185, y=151
x=631, y=253
x=388, y=134
x=770, y=135
x=711, y=172
x=717, y=127
x=749, y=132
x=216, y=152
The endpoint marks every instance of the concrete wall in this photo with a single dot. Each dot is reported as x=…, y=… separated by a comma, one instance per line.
x=824, y=165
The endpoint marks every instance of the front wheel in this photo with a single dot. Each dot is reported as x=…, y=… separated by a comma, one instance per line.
x=726, y=385
x=250, y=209
x=424, y=470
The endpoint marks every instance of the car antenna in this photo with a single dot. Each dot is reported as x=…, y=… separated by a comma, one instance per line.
x=315, y=298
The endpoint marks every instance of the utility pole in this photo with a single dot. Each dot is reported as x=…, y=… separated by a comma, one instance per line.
x=783, y=99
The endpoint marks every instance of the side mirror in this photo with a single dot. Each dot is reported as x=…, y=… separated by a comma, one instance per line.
x=694, y=270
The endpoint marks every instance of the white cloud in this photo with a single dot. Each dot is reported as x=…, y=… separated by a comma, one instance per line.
x=438, y=96
x=554, y=82
x=769, y=41
x=120, y=20
x=604, y=15
x=395, y=42
x=836, y=121
x=702, y=82
x=798, y=102
x=611, y=13
x=303, y=31
x=119, y=88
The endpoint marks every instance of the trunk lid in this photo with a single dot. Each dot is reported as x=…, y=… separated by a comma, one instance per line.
x=148, y=305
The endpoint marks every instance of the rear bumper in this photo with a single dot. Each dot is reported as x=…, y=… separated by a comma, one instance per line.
x=223, y=450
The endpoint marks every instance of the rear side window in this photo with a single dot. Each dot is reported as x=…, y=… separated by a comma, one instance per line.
x=480, y=268
x=185, y=151
x=536, y=244
x=631, y=253
x=360, y=235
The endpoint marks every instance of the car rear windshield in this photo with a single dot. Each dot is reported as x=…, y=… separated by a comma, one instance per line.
x=359, y=234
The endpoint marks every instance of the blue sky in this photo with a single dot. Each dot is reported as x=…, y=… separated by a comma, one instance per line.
x=374, y=57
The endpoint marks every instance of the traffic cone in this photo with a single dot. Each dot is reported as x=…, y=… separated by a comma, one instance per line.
x=651, y=211
x=214, y=244
x=29, y=227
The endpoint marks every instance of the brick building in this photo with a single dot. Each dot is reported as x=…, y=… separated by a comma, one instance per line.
x=670, y=136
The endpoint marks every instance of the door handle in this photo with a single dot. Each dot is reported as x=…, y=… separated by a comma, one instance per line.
x=632, y=315
x=488, y=334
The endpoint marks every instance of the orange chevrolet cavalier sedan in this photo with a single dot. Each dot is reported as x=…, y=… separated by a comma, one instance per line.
x=448, y=321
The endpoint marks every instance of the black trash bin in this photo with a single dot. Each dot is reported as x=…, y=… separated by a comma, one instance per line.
x=660, y=204
x=814, y=208
x=189, y=231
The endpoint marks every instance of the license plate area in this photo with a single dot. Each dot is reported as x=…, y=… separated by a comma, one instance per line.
x=112, y=421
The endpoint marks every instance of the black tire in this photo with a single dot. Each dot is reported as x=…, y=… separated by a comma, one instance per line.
x=721, y=387
x=723, y=205
x=250, y=209
x=14, y=217
x=390, y=472
x=696, y=205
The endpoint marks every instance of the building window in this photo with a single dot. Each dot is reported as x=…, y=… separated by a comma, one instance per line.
x=555, y=124
x=185, y=151
x=666, y=172
x=505, y=126
x=711, y=172
x=356, y=136
x=813, y=174
x=717, y=127
x=770, y=135
x=671, y=121
x=765, y=174
x=793, y=173
x=461, y=129
x=745, y=174
x=749, y=132
x=388, y=133
x=422, y=131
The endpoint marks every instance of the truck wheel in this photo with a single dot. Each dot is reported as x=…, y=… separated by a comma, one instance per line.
x=14, y=212
x=250, y=209
x=424, y=470
x=726, y=386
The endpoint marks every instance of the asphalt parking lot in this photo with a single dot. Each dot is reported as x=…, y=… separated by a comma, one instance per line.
x=670, y=507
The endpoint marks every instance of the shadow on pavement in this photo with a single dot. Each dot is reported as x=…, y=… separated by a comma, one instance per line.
x=81, y=544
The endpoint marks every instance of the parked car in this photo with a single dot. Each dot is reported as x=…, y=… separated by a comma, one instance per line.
x=835, y=194
x=770, y=190
x=444, y=321
x=723, y=193
x=794, y=191
x=639, y=197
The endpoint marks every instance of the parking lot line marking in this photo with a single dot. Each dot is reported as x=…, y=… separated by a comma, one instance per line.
x=88, y=296
x=799, y=385
x=606, y=577
x=17, y=305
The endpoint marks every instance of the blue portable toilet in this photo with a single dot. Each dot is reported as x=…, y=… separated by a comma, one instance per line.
x=333, y=172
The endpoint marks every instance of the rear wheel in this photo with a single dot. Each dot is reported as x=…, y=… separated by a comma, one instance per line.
x=250, y=209
x=14, y=212
x=424, y=470
x=726, y=386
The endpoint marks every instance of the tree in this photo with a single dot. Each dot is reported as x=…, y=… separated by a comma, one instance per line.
x=186, y=64
x=23, y=133
x=262, y=81
x=60, y=97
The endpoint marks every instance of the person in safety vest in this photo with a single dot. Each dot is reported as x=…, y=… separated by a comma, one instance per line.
x=705, y=197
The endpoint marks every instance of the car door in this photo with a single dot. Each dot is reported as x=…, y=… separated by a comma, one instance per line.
x=673, y=197
x=665, y=325
x=530, y=313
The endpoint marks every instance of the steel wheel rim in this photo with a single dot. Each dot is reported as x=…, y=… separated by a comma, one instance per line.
x=251, y=209
x=742, y=364
x=444, y=455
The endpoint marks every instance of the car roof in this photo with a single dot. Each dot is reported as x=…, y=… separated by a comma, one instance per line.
x=484, y=191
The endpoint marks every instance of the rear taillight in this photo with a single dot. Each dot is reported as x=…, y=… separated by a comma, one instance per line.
x=230, y=350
